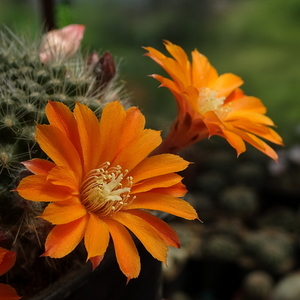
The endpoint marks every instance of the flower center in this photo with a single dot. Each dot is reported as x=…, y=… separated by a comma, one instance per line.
x=104, y=190
x=208, y=101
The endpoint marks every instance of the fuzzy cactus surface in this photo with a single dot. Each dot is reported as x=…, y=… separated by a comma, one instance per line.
x=26, y=85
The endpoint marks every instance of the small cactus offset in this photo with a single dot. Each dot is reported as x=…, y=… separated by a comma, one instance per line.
x=31, y=73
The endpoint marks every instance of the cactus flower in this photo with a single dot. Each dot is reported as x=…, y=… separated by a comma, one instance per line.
x=211, y=104
x=7, y=260
x=99, y=182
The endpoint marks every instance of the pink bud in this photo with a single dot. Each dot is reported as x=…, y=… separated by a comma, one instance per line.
x=61, y=43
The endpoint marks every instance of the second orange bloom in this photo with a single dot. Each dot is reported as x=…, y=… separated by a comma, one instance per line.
x=209, y=104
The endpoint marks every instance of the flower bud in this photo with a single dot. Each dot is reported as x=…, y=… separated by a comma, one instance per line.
x=61, y=43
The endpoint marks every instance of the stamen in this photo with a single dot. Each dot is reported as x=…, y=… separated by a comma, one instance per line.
x=208, y=101
x=106, y=189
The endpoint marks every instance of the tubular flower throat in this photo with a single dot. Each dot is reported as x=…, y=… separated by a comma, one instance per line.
x=7, y=260
x=100, y=181
x=209, y=104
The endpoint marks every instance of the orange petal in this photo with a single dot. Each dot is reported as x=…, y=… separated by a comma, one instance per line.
x=96, y=237
x=156, y=55
x=183, y=62
x=259, y=130
x=274, y=137
x=136, y=142
x=63, y=239
x=178, y=53
x=134, y=125
x=166, y=203
x=89, y=134
x=246, y=136
x=203, y=73
x=111, y=125
x=262, y=146
x=173, y=68
x=60, y=116
x=168, y=83
x=249, y=138
x=177, y=190
x=138, y=149
x=192, y=95
x=132, y=130
x=96, y=260
x=271, y=136
x=165, y=230
x=253, y=117
x=7, y=260
x=64, y=177
x=213, y=124
x=54, y=143
x=36, y=188
x=162, y=181
x=158, y=165
x=235, y=141
x=8, y=293
x=241, y=102
x=39, y=166
x=126, y=252
x=146, y=233
x=226, y=83
x=63, y=212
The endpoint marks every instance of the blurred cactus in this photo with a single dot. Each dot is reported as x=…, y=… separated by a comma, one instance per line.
x=190, y=246
x=272, y=250
x=288, y=288
x=250, y=173
x=180, y=296
x=211, y=182
x=258, y=285
x=281, y=218
x=221, y=160
x=238, y=200
x=222, y=247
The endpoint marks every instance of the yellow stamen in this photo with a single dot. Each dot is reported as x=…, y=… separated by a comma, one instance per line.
x=208, y=101
x=103, y=190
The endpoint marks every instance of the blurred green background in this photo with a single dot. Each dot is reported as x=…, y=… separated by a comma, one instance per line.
x=257, y=40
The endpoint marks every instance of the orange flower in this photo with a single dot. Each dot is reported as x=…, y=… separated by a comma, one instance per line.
x=99, y=180
x=61, y=43
x=209, y=104
x=7, y=260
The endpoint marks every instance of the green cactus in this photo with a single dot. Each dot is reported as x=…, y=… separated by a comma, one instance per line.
x=258, y=285
x=222, y=247
x=282, y=218
x=26, y=84
x=272, y=250
x=240, y=201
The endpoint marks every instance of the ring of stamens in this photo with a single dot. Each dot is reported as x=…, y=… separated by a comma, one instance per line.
x=106, y=190
x=208, y=101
